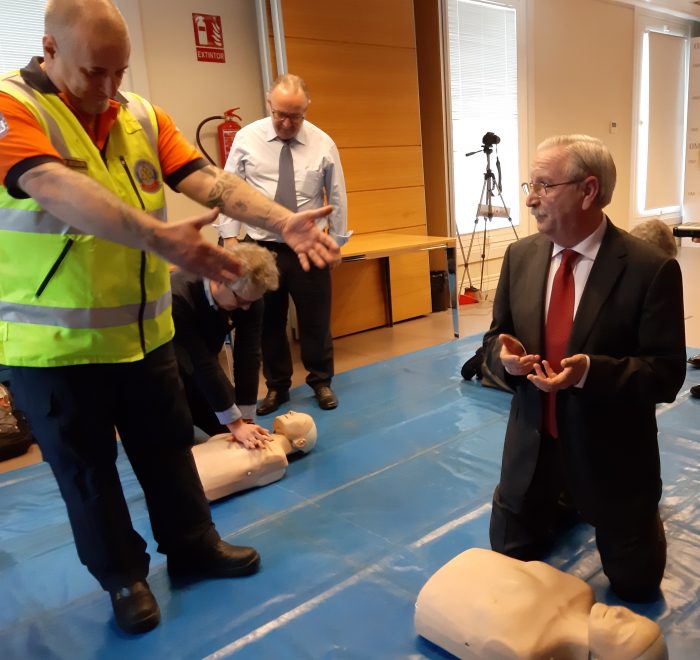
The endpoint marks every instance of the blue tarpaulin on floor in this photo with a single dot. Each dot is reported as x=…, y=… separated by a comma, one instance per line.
x=399, y=483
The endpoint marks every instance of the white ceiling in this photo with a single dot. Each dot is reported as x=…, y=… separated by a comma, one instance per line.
x=685, y=8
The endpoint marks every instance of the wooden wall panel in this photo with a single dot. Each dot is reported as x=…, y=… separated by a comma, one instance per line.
x=358, y=58
x=358, y=297
x=382, y=210
x=373, y=168
x=361, y=95
x=379, y=22
x=433, y=114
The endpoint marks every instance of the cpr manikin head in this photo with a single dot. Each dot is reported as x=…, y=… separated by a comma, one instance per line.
x=298, y=428
x=483, y=604
x=617, y=633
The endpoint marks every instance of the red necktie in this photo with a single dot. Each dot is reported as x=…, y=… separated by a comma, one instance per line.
x=560, y=318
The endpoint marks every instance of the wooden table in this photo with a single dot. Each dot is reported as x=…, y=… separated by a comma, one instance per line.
x=382, y=245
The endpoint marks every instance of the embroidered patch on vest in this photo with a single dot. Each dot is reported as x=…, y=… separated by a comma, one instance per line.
x=4, y=128
x=147, y=176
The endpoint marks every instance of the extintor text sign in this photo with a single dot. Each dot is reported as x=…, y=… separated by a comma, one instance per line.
x=208, y=38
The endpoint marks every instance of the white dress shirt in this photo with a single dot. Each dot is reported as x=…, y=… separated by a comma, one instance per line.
x=588, y=249
x=318, y=176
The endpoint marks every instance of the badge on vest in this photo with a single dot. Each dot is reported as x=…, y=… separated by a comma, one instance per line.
x=76, y=164
x=147, y=176
x=4, y=128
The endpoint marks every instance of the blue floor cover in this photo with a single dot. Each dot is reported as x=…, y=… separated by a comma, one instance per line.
x=399, y=483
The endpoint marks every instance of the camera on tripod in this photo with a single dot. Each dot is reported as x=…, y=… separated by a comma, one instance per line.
x=489, y=140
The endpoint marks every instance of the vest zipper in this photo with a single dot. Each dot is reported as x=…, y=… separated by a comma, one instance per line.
x=54, y=268
x=142, y=276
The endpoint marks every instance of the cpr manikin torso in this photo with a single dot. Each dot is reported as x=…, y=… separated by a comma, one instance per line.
x=226, y=467
x=482, y=604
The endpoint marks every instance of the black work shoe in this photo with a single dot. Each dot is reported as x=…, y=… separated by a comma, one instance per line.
x=273, y=400
x=217, y=561
x=327, y=400
x=695, y=391
x=694, y=361
x=135, y=608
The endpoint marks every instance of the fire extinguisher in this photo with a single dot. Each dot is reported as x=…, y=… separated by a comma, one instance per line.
x=226, y=131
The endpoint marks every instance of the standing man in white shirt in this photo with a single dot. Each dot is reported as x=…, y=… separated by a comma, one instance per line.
x=295, y=163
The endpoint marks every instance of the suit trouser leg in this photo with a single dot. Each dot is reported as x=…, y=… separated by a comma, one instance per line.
x=522, y=527
x=247, y=353
x=633, y=553
x=276, y=354
x=203, y=416
x=311, y=293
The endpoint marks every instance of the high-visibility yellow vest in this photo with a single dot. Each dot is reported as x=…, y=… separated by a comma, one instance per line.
x=67, y=297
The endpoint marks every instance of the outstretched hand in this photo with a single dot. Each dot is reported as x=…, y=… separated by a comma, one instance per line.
x=308, y=241
x=181, y=243
x=514, y=357
x=547, y=380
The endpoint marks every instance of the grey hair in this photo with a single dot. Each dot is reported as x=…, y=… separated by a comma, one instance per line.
x=290, y=82
x=586, y=156
x=259, y=267
x=657, y=233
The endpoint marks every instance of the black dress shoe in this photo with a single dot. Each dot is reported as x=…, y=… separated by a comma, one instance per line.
x=695, y=391
x=273, y=400
x=694, y=361
x=135, y=608
x=217, y=561
x=327, y=400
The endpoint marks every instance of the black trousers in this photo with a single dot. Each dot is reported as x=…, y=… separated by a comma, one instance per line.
x=74, y=412
x=311, y=293
x=632, y=549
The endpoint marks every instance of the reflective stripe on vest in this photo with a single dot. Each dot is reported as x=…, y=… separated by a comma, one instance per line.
x=67, y=297
x=100, y=317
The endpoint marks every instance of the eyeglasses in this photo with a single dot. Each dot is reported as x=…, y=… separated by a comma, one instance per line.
x=242, y=302
x=281, y=116
x=540, y=189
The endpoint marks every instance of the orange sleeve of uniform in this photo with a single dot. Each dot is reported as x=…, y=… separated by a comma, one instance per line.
x=21, y=136
x=174, y=150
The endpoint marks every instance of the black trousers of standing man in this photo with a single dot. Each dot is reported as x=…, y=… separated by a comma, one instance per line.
x=311, y=293
x=73, y=412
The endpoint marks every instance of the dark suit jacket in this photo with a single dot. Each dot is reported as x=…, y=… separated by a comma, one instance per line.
x=200, y=332
x=630, y=323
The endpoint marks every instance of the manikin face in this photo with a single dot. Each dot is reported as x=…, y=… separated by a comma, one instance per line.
x=298, y=428
x=617, y=633
x=287, y=109
x=557, y=210
x=87, y=66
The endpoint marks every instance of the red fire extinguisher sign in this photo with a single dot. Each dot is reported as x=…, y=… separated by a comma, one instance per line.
x=227, y=131
x=208, y=38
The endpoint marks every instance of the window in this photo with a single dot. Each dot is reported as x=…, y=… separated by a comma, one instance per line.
x=484, y=89
x=662, y=56
x=21, y=30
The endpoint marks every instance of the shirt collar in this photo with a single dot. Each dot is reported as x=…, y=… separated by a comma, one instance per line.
x=206, y=282
x=35, y=76
x=590, y=245
x=270, y=134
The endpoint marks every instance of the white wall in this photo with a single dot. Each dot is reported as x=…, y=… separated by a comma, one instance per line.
x=164, y=67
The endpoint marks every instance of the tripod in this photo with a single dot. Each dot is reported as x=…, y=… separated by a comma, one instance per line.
x=485, y=209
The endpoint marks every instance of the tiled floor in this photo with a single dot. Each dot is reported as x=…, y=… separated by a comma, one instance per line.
x=367, y=347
